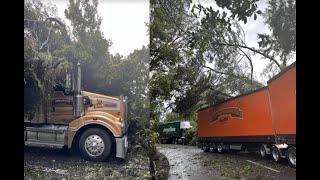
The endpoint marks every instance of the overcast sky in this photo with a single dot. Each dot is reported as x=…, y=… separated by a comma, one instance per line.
x=123, y=22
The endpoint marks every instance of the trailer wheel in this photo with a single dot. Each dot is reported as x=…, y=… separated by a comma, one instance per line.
x=220, y=148
x=212, y=147
x=275, y=153
x=263, y=151
x=95, y=144
x=292, y=156
x=205, y=148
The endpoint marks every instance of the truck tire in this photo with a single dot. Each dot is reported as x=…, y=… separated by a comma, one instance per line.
x=95, y=145
x=263, y=151
x=212, y=148
x=275, y=153
x=205, y=147
x=220, y=148
x=292, y=156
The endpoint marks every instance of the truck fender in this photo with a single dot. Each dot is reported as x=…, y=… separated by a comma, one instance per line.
x=82, y=122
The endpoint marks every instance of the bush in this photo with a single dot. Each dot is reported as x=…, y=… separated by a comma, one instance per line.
x=191, y=136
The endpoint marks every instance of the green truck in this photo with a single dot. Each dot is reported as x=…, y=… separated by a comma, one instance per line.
x=173, y=132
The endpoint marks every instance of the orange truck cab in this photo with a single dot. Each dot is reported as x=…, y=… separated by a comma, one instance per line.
x=95, y=124
x=263, y=120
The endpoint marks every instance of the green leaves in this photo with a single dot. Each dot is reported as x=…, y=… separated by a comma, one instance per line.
x=280, y=16
x=177, y=66
x=41, y=53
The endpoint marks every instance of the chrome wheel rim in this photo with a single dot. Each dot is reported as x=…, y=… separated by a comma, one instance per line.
x=292, y=158
x=262, y=151
x=211, y=148
x=275, y=154
x=94, y=145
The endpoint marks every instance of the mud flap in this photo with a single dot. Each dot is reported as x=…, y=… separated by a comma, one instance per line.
x=121, y=147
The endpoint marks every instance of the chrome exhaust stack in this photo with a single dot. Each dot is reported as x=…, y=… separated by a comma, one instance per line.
x=77, y=93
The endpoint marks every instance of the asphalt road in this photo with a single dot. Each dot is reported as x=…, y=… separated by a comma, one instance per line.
x=191, y=163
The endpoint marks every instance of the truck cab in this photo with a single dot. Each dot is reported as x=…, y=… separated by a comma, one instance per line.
x=96, y=124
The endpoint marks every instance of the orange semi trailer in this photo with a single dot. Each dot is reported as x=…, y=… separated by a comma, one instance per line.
x=263, y=120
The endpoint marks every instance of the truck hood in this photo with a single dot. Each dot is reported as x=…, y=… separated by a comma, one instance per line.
x=95, y=95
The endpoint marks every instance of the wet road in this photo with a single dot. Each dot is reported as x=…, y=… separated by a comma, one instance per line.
x=44, y=163
x=187, y=162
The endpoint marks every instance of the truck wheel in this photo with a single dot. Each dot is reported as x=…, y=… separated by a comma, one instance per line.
x=205, y=147
x=219, y=148
x=275, y=153
x=263, y=151
x=95, y=145
x=292, y=156
x=212, y=148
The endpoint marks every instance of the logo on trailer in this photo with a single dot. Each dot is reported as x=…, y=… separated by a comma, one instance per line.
x=224, y=114
x=171, y=129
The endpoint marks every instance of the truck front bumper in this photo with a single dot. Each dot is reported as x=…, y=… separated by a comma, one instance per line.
x=121, y=146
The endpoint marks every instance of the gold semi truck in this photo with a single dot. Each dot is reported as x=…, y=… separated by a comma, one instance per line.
x=95, y=124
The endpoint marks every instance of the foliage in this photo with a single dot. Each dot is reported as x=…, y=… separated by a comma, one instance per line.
x=280, y=16
x=191, y=136
x=190, y=64
x=170, y=117
x=44, y=39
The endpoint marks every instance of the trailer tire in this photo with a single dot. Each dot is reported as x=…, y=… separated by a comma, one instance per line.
x=292, y=156
x=275, y=153
x=95, y=145
x=212, y=148
x=263, y=151
x=205, y=148
x=220, y=148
